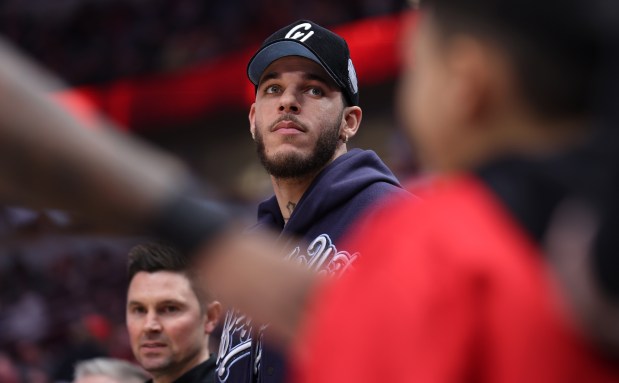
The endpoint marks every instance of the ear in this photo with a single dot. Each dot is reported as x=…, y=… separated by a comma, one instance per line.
x=473, y=87
x=213, y=312
x=252, y=120
x=350, y=122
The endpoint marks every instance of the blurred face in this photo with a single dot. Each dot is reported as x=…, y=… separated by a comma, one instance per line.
x=424, y=101
x=166, y=326
x=297, y=117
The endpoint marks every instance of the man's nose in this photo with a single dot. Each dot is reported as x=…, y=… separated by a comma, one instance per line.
x=152, y=323
x=289, y=102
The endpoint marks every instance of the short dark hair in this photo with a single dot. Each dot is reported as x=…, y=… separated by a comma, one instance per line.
x=158, y=256
x=552, y=46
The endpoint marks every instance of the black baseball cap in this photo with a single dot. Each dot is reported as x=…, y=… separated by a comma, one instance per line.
x=307, y=39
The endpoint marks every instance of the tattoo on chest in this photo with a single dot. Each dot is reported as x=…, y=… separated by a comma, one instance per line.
x=291, y=205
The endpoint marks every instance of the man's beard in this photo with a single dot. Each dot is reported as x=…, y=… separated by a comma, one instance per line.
x=295, y=165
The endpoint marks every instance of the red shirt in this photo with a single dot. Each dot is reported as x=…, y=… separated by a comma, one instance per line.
x=448, y=290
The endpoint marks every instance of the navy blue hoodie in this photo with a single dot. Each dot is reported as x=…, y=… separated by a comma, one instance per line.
x=335, y=199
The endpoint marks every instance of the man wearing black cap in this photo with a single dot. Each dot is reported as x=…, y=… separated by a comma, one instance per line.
x=305, y=112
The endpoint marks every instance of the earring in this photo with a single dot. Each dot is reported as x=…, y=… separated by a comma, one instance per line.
x=345, y=139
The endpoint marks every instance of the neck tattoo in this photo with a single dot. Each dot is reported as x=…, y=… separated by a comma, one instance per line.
x=290, y=206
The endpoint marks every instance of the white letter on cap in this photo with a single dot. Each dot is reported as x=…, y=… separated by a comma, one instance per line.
x=297, y=35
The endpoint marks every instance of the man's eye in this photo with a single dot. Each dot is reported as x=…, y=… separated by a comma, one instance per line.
x=170, y=309
x=138, y=310
x=315, y=91
x=271, y=89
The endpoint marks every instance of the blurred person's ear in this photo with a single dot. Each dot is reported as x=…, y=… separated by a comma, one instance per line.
x=477, y=82
x=213, y=313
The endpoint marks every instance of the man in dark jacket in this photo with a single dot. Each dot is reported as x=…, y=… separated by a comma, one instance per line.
x=306, y=110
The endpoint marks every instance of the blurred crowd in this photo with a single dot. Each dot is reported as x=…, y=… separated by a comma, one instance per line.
x=62, y=296
x=96, y=41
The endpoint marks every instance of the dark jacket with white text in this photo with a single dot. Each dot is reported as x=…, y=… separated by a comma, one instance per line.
x=344, y=190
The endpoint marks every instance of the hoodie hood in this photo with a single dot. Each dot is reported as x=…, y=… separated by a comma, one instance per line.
x=346, y=186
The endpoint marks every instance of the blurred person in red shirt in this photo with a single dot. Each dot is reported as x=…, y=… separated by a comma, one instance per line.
x=460, y=288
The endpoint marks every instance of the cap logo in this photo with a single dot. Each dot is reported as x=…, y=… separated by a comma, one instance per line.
x=352, y=77
x=295, y=34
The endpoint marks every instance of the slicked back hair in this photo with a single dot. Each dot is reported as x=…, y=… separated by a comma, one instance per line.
x=157, y=256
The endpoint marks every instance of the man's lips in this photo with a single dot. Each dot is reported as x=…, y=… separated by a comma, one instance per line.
x=288, y=127
x=153, y=345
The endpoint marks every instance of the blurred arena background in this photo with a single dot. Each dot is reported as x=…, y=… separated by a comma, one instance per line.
x=173, y=73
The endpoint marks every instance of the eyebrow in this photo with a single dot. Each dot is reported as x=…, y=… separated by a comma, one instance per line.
x=269, y=76
x=317, y=77
x=172, y=302
x=306, y=76
x=164, y=302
